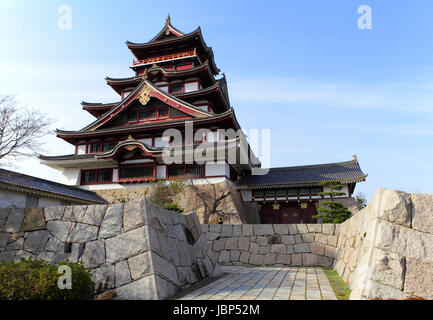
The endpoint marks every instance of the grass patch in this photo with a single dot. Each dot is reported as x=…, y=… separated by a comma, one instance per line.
x=340, y=288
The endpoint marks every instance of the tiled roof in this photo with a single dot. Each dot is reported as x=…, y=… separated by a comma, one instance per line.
x=346, y=172
x=18, y=180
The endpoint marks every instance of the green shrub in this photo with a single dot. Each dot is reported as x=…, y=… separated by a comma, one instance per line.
x=37, y=280
x=172, y=207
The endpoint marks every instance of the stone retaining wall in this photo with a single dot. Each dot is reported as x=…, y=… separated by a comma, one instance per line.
x=274, y=244
x=136, y=248
x=386, y=251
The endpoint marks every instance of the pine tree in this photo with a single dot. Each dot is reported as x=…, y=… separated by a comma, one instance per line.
x=332, y=211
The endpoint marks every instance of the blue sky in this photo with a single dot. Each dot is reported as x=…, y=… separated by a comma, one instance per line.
x=325, y=88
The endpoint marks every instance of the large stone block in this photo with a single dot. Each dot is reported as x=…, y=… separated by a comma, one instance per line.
x=263, y=229
x=112, y=223
x=140, y=265
x=232, y=243
x=94, y=215
x=405, y=242
x=4, y=237
x=282, y=229
x=296, y=259
x=103, y=278
x=288, y=239
x=143, y=289
x=83, y=233
x=422, y=212
x=94, y=254
x=34, y=219
x=122, y=273
x=14, y=220
x=244, y=257
x=256, y=259
x=254, y=247
x=283, y=259
x=126, y=245
x=328, y=228
x=321, y=238
x=388, y=268
x=317, y=248
x=4, y=213
x=302, y=247
x=302, y=228
x=215, y=228
x=247, y=230
x=219, y=244
x=310, y=259
x=133, y=215
x=292, y=229
x=54, y=213
x=279, y=249
x=270, y=259
x=226, y=231
x=419, y=279
x=35, y=241
x=74, y=214
x=60, y=229
x=212, y=236
x=314, y=228
x=395, y=207
x=244, y=244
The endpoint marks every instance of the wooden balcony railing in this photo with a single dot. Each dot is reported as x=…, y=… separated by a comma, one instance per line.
x=167, y=57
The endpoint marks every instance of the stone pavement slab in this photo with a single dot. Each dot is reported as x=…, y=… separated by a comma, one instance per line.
x=267, y=283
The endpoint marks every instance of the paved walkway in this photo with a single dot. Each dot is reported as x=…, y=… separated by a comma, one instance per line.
x=267, y=283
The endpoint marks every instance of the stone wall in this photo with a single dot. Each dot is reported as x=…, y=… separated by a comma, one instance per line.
x=136, y=248
x=386, y=250
x=239, y=211
x=274, y=244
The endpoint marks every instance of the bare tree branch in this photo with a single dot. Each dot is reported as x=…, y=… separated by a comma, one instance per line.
x=20, y=128
x=211, y=197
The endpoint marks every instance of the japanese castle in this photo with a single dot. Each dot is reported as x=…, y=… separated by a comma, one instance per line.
x=176, y=87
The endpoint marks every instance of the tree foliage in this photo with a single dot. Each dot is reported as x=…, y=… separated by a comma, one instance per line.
x=332, y=211
x=20, y=128
x=37, y=280
x=163, y=194
x=361, y=200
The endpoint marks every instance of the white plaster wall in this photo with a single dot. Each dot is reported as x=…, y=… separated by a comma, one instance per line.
x=10, y=199
x=115, y=175
x=48, y=202
x=246, y=195
x=81, y=149
x=161, y=172
x=70, y=176
x=217, y=169
x=159, y=142
x=147, y=141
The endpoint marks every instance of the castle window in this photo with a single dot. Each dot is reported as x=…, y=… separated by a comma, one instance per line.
x=96, y=147
x=185, y=170
x=96, y=176
x=163, y=112
x=107, y=146
x=148, y=114
x=136, y=172
x=176, y=88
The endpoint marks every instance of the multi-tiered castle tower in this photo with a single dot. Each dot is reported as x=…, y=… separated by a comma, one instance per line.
x=175, y=87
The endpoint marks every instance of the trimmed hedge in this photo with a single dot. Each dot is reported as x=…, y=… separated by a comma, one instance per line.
x=37, y=280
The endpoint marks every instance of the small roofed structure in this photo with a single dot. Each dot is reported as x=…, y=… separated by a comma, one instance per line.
x=291, y=194
x=21, y=190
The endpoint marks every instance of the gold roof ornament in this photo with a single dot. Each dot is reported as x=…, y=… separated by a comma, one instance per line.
x=168, y=20
x=144, y=95
x=276, y=206
x=355, y=157
x=304, y=205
